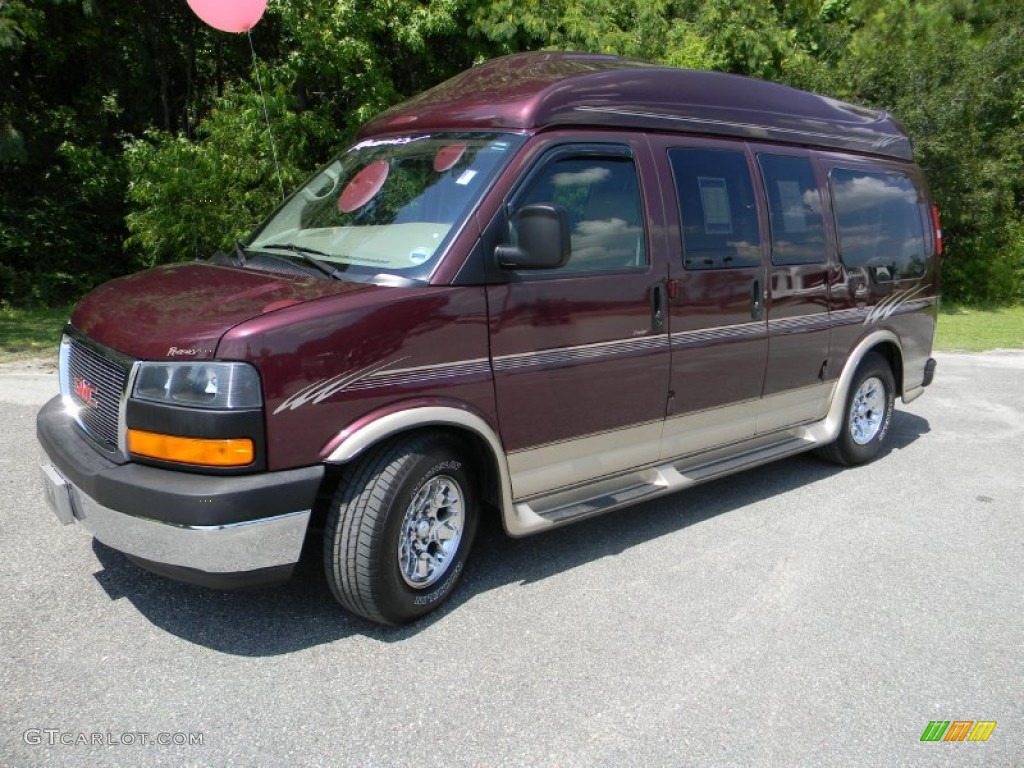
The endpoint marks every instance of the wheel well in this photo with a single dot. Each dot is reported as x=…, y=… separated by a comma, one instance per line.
x=478, y=451
x=482, y=458
x=891, y=353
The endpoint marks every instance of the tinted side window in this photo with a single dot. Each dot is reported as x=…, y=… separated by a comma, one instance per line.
x=718, y=209
x=879, y=222
x=601, y=196
x=794, y=210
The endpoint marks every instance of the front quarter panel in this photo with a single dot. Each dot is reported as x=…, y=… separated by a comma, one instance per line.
x=330, y=362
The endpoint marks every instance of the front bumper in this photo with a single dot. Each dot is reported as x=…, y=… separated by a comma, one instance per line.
x=196, y=528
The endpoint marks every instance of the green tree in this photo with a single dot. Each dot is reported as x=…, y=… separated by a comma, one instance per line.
x=327, y=69
x=79, y=77
x=133, y=134
x=953, y=72
x=191, y=197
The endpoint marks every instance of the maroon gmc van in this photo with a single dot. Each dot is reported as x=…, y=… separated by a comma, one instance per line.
x=555, y=285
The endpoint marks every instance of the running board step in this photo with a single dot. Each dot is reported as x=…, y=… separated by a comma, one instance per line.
x=608, y=494
x=701, y=473
x=632, y=494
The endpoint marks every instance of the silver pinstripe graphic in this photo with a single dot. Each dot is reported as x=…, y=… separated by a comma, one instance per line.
x=381, y=374
x=849, y=316
x=819, y=321
x=322, y=389
x=422, y=373
x=892, y=304
x=722, y=333
x=565, y=355
x=896, y=304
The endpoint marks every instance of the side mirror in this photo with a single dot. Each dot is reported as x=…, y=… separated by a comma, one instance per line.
x=543, y=239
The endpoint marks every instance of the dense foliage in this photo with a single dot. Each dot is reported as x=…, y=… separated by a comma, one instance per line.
x=132, y=134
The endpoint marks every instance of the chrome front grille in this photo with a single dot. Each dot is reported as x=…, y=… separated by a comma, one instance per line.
x=95, y=384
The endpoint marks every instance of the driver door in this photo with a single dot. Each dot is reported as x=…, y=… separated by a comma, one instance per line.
x=580, y=353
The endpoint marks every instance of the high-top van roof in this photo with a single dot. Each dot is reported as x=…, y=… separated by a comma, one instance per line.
x=533, y=91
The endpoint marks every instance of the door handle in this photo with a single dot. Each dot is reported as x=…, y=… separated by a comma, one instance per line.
x=658, y=308
x=756, y=301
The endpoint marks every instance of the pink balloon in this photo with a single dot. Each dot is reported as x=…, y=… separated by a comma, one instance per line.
x=229, y=15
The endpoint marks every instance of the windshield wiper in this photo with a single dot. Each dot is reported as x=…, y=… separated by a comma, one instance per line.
x=307, y=254
x=294, y=248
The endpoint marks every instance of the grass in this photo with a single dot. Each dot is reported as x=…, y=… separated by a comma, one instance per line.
x=979, y=329
x=30, y=334
x=27, y=334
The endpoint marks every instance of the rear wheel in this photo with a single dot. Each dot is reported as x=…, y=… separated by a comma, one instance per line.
x=867, y=415
x=400, y=528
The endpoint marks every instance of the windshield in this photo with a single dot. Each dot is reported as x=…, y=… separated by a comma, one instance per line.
x=387, y=206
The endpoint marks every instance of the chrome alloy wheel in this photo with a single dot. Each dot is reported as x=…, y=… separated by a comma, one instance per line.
x=867, y=411
x=431, y=531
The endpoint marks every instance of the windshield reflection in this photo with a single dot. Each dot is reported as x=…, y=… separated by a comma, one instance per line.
x=388, y=205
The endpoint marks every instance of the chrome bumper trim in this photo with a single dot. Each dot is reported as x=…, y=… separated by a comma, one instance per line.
x=232, y=548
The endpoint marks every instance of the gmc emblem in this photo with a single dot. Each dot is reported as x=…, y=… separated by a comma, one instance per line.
x=84, y=390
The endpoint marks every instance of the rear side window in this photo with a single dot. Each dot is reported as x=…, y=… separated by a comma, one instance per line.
x=879, y=222
x=794, y=209
x=718, y=209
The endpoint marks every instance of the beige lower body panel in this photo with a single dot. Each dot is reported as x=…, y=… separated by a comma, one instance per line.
x=798, y=406
x=544, y=469
x=578, y=478
x=574, y=479
x=551, y=468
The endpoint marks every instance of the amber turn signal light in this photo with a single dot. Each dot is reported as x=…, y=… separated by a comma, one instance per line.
x=234, y=452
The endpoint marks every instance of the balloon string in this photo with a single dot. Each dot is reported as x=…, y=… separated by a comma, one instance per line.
x=266, y=114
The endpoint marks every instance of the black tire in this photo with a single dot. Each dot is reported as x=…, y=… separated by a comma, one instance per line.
x=364, y=534
x=865, y=428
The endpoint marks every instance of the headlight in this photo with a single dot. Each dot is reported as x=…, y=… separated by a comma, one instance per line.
x=199, y=385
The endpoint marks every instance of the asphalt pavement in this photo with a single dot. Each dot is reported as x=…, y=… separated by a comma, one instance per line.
x=794, y=615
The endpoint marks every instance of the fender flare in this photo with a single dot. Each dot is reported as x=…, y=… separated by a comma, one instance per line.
x=827, y=430
x=379, y=425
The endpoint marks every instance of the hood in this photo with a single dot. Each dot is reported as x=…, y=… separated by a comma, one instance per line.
x=180, y=311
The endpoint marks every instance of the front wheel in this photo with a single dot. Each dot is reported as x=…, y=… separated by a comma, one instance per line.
x=400, y=528
x=867, y=415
